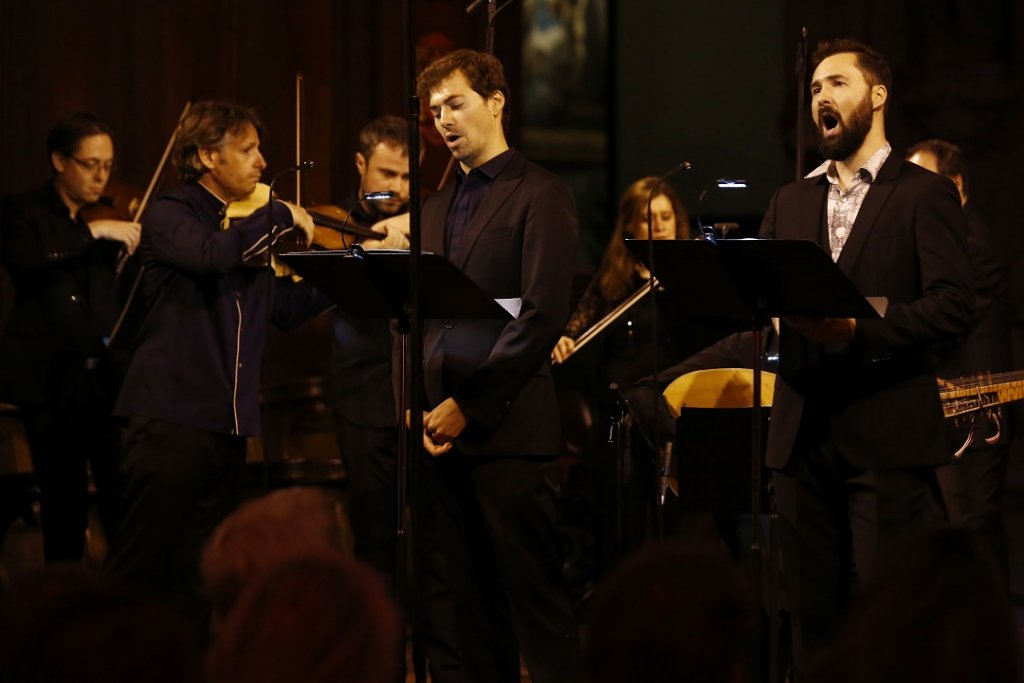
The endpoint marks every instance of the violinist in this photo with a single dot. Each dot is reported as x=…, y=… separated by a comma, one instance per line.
x=191, y=389
x=53, y=364
x=627, y=342
x=362, y=398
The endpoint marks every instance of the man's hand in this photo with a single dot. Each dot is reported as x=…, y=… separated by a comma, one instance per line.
x=441, y=426
x=125, y=232
x=563, y=349
x=831, y=331
x=303, y=221
x=396, y=239
x=397, y=230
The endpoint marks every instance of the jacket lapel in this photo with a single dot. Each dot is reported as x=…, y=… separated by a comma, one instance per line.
x=501, y=188
x=433, y=220
x=812, y=210
x=874, y=201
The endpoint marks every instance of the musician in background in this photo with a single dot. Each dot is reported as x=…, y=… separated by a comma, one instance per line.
x=53, y=362
x=620, y=354
x=972, y=486
x=626, y=345
x=362, y=396
x=191, y=391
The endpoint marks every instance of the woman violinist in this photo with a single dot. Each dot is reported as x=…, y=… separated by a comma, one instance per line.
x=627, y=341
x=53, y=362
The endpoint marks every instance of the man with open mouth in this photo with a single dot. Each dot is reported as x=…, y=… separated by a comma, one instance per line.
x=857, y=427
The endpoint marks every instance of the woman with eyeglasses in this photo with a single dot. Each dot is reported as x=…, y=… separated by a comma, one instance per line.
x=53, y=364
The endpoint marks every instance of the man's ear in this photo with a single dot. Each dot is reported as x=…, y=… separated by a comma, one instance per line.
x=879, y=96
x=360, y=164
x=496, y=103
x=206, y=157
x=58, y=161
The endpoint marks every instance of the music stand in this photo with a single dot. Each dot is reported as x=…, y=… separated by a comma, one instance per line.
x=754, y=280
x=375, y=284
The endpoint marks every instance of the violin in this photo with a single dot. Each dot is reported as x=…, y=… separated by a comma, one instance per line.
x=120, y=201
x=330, y=222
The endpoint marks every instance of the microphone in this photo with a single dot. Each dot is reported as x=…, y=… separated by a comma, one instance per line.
x=303, y=166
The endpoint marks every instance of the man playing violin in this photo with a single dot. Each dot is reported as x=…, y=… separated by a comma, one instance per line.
x=53, y=363
x=361, y=388
x=191, y=390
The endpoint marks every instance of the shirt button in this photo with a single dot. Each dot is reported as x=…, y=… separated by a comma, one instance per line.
x=449, y=324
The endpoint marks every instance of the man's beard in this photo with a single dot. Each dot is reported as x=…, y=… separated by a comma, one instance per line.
x=851, y=133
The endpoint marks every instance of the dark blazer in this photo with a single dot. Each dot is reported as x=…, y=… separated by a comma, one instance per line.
x=878, y=395
x=520, y=244
x=65, y=294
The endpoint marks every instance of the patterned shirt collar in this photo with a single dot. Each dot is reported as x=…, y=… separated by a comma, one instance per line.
x=868, y=172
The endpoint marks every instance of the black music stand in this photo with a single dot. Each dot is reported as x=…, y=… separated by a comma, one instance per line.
x=753, y=280
x=375, y=284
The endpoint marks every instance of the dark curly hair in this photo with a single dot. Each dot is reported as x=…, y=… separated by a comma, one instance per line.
x=483, y=72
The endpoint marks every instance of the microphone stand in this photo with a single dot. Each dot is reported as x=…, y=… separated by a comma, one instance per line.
x=801, y=99
x=410, y=443
x=662, y=460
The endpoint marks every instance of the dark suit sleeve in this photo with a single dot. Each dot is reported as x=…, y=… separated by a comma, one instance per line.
x=524, y=346
x=945, y=308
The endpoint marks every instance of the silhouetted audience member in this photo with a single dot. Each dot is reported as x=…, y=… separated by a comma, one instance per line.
x=671, y=612
x=65, y=624
x=938, y=613
x=263, y=533
x=319, y=618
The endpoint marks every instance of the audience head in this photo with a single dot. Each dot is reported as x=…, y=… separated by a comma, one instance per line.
x=672, y=612
x=318, y=618
x=937, y=612
x=63, y=624
x=261, y=534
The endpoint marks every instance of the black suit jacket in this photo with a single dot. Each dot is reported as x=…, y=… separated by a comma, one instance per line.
x=65, y=294
x=520, y=244
x=878, y=394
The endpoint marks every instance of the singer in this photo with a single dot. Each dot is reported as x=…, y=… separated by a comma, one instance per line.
x=493, y=559
x=857, y=426
x=191, y=389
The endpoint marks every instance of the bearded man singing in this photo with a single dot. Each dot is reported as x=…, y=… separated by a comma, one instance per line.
x=857, y=426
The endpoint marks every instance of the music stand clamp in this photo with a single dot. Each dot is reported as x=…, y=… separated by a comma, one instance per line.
x=750, y=281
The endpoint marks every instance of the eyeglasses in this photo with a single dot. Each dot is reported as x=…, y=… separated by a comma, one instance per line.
x=93, y=165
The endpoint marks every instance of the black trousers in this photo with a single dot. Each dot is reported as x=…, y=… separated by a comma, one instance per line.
x=835, y=521
x=69, y=434
x=180, y=482
x=492, y=572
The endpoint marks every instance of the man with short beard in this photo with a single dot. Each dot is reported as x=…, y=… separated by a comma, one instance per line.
x=857, y=427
